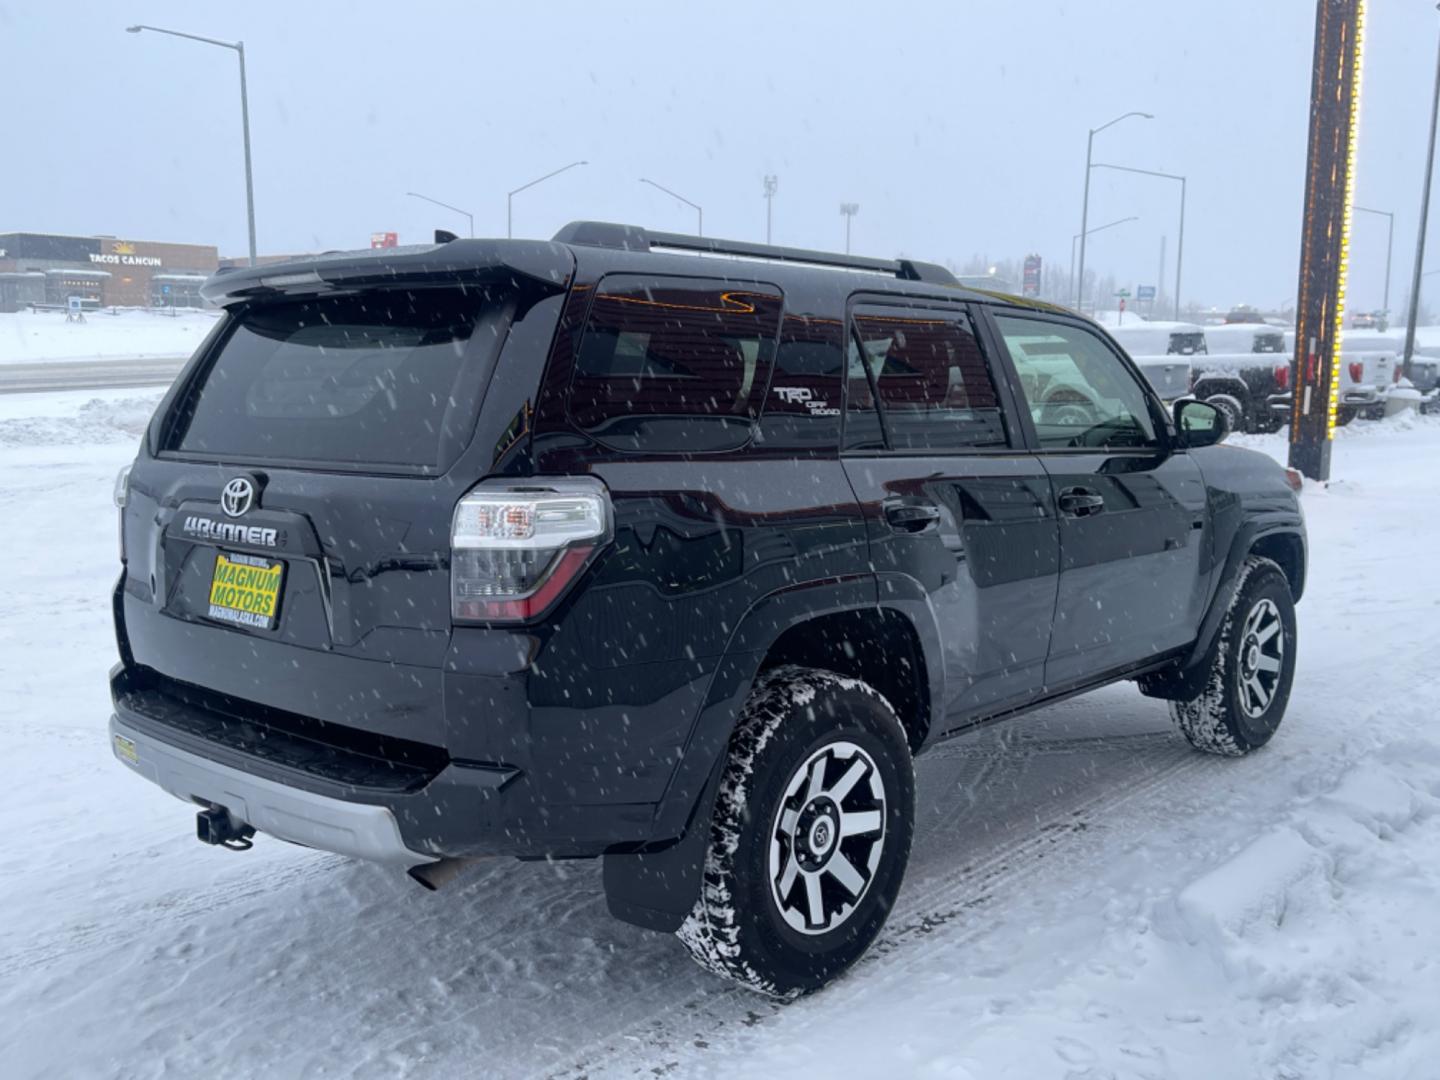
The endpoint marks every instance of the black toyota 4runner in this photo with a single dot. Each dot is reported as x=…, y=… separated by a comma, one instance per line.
x=604, y=547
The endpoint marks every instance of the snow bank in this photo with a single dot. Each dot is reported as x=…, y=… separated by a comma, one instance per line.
x=81, y=420
x=27, y=337
x=1255, y=888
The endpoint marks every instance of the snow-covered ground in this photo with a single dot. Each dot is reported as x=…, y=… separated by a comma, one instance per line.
x=30, y=336
x=1087, y=897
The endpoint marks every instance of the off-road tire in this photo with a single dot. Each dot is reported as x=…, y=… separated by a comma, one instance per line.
x=1234, y=410
x=1227, y=718
x=738, y=928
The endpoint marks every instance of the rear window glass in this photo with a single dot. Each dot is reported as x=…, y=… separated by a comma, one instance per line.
x=386, y=378
x=674, y=364
x=934, y=386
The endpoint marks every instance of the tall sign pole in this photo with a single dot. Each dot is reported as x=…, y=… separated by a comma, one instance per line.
x=1325, y=232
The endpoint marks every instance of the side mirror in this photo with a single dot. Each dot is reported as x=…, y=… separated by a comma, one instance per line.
x=1200, y=424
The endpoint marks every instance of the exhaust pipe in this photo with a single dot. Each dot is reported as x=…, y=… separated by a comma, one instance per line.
x=217, y=826
x=432, y=875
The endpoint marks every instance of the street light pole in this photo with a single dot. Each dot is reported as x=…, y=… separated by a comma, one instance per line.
x=1085, y=205
x=1389, y=247
x=447, y=206
x=1414, y=313
x=510, y=195
x=239, y=48
x=849, y=209
x=771, y=184
x=1098, y=228
x=1180, y=247
x=699, y=213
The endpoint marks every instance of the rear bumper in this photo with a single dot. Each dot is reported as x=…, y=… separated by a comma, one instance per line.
x=1361, y=397
x=386, y=804
x=361, y=830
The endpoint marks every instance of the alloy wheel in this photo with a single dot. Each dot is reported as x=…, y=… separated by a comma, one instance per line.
x=1262, y=657
x=827, y=838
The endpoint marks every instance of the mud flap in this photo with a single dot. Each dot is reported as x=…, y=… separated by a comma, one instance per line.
x=656, y=889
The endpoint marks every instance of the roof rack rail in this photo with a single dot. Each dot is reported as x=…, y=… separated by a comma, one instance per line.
x=634, y=238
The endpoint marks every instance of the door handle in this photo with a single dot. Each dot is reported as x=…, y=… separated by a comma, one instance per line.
x=911, y=517
x=1081, y=502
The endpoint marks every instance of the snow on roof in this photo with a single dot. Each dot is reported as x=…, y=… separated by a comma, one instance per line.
x=79, y=273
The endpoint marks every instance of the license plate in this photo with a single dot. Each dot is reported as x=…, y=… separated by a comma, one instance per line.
x=125, y=750
x=245, y=590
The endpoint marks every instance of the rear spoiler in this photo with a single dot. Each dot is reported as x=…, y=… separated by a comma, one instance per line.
x=547, y=265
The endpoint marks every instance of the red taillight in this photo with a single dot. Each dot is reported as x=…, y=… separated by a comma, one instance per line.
x=514, y=550
x=1357, y=371
x=1282, y=377
x=1294, y=479
x=1399, y=373
x=564, y=571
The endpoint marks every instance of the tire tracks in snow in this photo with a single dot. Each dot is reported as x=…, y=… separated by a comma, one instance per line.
x=938, y=903
x=953, y=902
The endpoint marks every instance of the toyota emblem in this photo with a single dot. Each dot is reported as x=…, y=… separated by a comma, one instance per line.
x=239, y=493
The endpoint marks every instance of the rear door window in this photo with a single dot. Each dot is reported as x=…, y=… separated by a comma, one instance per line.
x=387, y=379
x=669, y=365
x=934, y=386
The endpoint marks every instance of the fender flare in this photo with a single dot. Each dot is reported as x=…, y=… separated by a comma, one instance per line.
x=1187, y=680
x=655, y=887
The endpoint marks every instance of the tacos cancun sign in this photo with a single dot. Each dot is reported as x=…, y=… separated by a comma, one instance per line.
x=122, y=254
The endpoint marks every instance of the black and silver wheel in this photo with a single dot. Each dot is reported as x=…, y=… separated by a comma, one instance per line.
x=810, y=835
x=1232, y=407
x=1254, y=663
x=827, y=838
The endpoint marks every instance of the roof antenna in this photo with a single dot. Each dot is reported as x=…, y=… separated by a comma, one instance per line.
x=444, y=236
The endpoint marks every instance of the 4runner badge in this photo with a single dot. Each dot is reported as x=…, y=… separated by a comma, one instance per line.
x=237, y=496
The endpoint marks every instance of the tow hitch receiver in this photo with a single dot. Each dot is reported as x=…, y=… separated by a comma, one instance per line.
x=216, y=826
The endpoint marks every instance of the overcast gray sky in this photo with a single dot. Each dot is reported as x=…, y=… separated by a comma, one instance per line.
x=958, y=127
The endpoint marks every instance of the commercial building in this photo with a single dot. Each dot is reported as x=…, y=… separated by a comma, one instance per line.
x=45, y=269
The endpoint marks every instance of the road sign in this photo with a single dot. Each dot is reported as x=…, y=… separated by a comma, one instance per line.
x=165, y=289
x=1144, y=292
x=1031, y=285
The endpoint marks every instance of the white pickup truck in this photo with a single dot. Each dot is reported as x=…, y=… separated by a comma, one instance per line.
x=1163, y=352
x=1370, y=366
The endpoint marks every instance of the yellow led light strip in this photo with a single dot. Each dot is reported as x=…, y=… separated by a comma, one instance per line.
x=1335, y=353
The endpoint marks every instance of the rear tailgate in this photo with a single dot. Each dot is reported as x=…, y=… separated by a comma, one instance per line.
x=1169, y=375
x=288, y=541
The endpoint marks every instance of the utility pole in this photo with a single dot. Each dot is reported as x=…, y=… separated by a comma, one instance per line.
x=239, y=49
x=849, y=209
x=1180, y=250
x=771, y=183
x=1085, y=205
x=464, y=213
x=1389, y=237
x=1325, y=232
x=1160, y=283
x=1414, y=313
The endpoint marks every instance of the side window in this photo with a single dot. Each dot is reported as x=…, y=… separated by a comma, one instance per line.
x=1078, y=391
x=862, y=418
x=802, y=408
x=669, y=365
x=935, y=389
